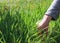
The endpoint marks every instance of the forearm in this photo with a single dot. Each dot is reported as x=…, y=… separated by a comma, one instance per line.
x=54, y=9
x=47, y=18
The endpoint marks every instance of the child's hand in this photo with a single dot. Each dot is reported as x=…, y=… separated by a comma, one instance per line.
x=44, y=23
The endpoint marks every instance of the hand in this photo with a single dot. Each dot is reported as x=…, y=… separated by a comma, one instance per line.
x=44, y=23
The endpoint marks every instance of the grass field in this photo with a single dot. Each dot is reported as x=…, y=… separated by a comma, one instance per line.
x=18, y=22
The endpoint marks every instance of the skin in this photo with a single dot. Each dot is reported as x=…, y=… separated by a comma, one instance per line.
x=44, y=23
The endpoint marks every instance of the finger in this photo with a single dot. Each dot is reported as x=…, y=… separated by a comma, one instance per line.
x=43, y=31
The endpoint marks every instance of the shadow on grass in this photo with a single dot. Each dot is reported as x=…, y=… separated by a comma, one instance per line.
x=13, y=28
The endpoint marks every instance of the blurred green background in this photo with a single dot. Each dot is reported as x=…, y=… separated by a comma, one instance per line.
x=18, y=22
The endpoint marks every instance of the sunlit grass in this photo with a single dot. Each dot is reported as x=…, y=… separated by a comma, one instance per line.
x=18, y=21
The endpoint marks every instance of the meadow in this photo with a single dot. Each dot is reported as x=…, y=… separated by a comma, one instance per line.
x=18, y=22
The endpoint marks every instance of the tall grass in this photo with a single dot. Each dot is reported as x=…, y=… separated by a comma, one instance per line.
x=18, y=22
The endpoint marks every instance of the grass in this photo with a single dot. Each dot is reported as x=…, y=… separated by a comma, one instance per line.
x=18, y=22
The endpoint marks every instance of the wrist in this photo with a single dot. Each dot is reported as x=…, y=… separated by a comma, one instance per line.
x=47, y=18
